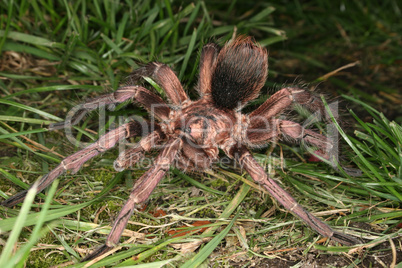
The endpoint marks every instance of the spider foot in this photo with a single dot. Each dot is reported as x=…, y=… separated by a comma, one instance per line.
x=56, y=126
x=345, y=239
x=96, y=253
x=353, y=172
x=12, y=201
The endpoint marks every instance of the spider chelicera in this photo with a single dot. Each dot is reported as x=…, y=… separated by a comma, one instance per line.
x=190, y=133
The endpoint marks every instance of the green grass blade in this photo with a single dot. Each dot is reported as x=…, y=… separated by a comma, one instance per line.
x=23, y=48
x=31, y=39
x=16, y=228
x=29, y=108
x=37, y=232
x=198, y=259
x=6, y=31
x=25, y=120
x=196, y=183
x=368, y=166
x=54, y=88
x=8, y=224
x=20, y=133
x=188, y=53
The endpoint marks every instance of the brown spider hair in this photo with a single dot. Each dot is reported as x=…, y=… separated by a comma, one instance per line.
x=239, y=73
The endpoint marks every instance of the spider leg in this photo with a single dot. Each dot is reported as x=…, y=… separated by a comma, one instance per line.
x=165, y=77
x=326, y=148
x=76, y=160
x=265, y=131
x=198, y=156
x=142, y=95
x=208, y=57
x=140, y=193
x=132, y=155
x=264, y=127
x=297, y=132
x=282, y=99
x=258, y=174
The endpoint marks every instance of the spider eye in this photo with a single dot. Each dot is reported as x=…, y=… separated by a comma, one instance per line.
x=240, y=72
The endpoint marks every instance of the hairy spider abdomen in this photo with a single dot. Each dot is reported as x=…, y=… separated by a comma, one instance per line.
x=240, y=72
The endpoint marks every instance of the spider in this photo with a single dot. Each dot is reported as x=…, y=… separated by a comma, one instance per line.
x=189, y=134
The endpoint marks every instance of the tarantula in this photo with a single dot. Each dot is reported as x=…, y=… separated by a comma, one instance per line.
x=192, y=132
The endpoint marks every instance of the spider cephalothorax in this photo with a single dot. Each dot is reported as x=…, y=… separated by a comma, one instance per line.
x=190, y=133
